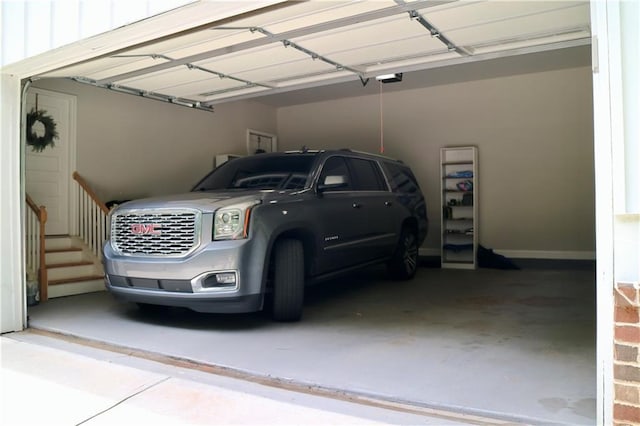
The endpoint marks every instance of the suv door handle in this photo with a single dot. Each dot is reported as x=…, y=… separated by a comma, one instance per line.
x=357, y=205
x=388, y=203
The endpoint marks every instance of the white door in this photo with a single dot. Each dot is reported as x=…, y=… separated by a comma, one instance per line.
x=48, y=172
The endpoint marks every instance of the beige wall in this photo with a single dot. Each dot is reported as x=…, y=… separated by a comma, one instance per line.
x=131, y=147
x=534, y=133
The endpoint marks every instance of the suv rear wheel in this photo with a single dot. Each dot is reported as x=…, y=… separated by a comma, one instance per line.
x=288, y=280
x=404, y=264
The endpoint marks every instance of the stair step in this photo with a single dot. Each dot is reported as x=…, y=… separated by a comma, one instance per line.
x=76, y=279
x=63, y=250
x=62, y=256
x=78, y=287
x=58, y=242
x=69, y=264
x=73, y=270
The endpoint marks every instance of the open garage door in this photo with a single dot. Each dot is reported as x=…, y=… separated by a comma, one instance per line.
x=308, y=44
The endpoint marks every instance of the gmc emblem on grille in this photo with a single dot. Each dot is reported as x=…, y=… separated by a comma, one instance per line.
x=145, y=228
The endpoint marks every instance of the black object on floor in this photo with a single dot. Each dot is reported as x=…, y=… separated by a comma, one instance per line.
x=488, y=259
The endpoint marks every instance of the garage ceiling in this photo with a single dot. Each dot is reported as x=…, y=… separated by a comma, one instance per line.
x=298, y=45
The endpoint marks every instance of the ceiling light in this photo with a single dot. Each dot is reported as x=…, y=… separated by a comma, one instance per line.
x=390, y=78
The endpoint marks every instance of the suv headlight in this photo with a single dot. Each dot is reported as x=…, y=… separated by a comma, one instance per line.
x=232, y=223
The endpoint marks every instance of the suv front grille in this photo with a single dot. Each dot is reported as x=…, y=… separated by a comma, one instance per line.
x=155, y=232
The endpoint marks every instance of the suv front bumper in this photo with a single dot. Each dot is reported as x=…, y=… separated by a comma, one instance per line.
x=190, y=281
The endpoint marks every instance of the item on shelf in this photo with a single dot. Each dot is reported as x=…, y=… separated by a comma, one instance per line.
x=458, y=247
x=453, y=231
x=447, y=212
x=453, y=202
x=467, y=199
x=465, y=185
x=461, y=174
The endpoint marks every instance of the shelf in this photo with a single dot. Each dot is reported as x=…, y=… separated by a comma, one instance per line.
x=466, y=257
x=459, y=230
x=451, y=264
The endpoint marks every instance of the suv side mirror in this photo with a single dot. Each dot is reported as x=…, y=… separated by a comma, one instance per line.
x=332, y=182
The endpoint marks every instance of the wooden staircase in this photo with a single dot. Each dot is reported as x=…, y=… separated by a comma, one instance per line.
x=72, y=268
x=65, y=265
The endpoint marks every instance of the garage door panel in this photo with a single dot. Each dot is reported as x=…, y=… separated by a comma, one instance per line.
x=292, y=11
x=286, y=71
x=388, y=52
x=313, y=78
x=193, y=89
x=497, y=47
x=105, y=67
x=311, y=13
x=238, y=91
x=467, y=14
x=364, y=34
x=84, y=69
x=166, y=78
x=205, y=41
x=126, y=66
x=527, y=27
x=393, y=66
x=254, y=59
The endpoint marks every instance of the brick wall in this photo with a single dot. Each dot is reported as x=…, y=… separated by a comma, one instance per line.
x=626, y=369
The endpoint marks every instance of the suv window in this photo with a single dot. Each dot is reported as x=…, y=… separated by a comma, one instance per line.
x=366, y=175
x=260, y=171
x=336, y=166
x=401, y=178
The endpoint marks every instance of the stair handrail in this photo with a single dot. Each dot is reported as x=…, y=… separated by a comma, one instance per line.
x=90, y=223
x=35, y=244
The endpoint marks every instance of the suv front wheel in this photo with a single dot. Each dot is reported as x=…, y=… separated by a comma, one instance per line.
x=288, y=280
x=404, y=264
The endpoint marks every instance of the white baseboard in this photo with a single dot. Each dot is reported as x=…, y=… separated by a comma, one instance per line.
x=428, y=252
x=530, y=254
x=548, y=254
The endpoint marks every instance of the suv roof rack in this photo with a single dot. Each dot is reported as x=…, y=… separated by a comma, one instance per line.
x=372, y=155
x=304, y=151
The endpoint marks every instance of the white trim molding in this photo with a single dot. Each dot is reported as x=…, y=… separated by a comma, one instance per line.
x=529, y=254
x=428, y=252
x=605, y=29
x=548, y=254
x=12, y=272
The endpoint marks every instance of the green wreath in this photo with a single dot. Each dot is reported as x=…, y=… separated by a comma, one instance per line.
x=37, y=142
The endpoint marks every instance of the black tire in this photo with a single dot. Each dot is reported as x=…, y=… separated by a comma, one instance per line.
x=288, y=280
x=404, y=263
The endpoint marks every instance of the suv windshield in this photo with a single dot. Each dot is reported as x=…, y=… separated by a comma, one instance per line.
x=262, y=171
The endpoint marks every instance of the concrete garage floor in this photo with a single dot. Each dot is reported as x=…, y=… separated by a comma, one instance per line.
x=516, y=345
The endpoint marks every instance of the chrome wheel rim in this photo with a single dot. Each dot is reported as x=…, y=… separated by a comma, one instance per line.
x=410, y=257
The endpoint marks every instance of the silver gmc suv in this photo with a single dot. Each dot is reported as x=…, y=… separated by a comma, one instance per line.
x=254, y=231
